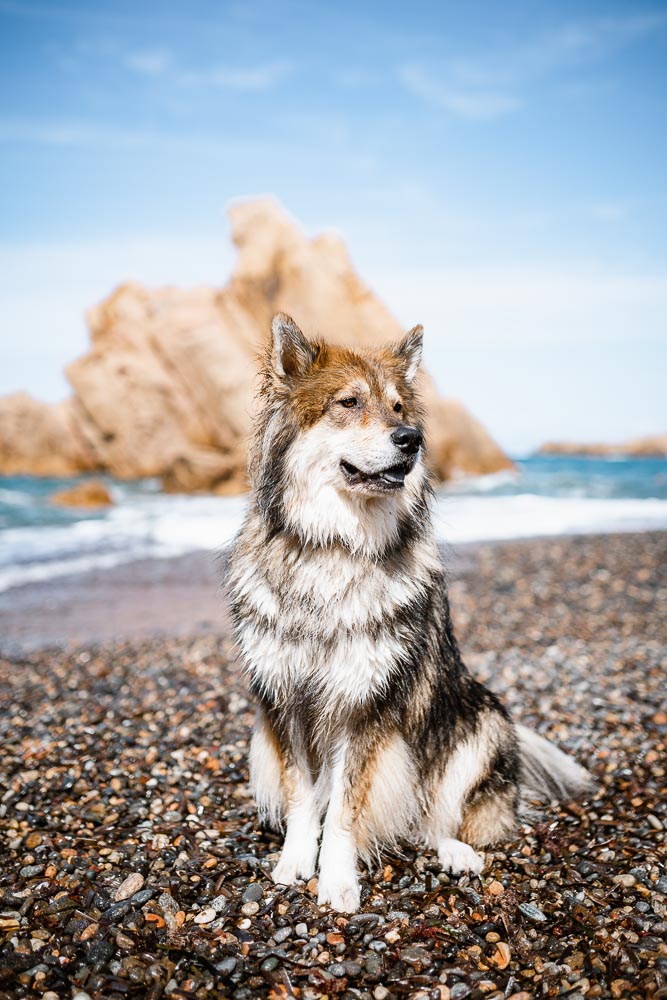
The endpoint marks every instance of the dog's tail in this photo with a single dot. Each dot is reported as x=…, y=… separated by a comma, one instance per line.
x=548, y=774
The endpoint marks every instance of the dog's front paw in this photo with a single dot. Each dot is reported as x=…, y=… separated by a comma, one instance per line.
x=456, y=857
x=340, y=894
x=284, y=873
x=291, y=868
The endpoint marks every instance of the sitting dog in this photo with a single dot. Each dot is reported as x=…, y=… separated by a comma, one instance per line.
x=370, y=729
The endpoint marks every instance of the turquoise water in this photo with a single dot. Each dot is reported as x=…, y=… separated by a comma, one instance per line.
x=546, y=495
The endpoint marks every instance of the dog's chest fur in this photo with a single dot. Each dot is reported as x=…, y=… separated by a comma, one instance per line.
x=323, y=621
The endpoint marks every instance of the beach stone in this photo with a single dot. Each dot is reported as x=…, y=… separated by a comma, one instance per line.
x=373, y=964
x=532, y=912
x=31, y=871
x=133, y=883
x=253, y=893
x=227, y=966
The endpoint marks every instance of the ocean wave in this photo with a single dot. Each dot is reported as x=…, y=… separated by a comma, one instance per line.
x=159, y=526
x=526, y=515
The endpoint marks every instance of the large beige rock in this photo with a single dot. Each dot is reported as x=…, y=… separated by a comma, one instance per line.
x=167, y=388
x=39, y=439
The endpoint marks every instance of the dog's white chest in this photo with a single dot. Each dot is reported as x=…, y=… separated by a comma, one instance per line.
x=329, y=625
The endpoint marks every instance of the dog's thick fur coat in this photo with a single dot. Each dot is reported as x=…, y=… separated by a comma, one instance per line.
x=368, y=719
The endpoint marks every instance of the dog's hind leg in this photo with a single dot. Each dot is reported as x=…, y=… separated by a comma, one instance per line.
x=473, y=804
x=445, y=813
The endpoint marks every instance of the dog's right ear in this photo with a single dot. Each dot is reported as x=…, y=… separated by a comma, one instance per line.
x=292, y=353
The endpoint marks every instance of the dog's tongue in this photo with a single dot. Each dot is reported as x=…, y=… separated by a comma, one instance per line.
x=394, y=475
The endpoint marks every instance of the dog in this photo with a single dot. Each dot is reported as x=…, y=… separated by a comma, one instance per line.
x=370, y=729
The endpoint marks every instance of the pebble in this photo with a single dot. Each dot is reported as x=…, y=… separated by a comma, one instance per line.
x=30, y=871
x=532, y=912
x=205, y=916
x=282, y=934
x=133, y=883
x=253, y=893
x=502, y=955
x=227, y=966
x=248, y=909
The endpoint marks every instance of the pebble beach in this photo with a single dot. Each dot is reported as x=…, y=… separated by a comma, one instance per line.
x=132, y=863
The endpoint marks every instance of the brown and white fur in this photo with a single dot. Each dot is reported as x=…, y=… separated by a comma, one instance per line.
x=370, y=729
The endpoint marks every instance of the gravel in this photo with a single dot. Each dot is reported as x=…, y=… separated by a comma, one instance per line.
x=132, y=865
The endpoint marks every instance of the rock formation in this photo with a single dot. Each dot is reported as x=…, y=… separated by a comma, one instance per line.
x=91, y=493
x=654, y=446
x=168, y=384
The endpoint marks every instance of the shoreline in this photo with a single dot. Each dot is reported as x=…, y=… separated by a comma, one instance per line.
x=182, y=595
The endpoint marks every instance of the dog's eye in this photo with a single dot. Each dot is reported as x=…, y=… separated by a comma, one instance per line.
x=349, y=402
x=398, y=407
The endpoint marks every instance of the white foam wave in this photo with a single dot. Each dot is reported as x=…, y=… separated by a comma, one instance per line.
x=15, y=498
x=526, y=515
x=158, y=526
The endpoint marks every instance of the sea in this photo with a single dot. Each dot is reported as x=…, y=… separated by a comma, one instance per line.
x=544, y=496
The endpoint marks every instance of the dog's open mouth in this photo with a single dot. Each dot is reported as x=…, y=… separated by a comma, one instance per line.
x=391, y=478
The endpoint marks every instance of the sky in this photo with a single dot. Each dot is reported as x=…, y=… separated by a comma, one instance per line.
x=497, y=170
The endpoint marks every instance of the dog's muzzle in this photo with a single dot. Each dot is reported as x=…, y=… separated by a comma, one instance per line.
x=384, y=481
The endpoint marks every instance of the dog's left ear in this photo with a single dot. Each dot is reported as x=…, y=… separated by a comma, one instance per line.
x=409, y=351
x=292, y=353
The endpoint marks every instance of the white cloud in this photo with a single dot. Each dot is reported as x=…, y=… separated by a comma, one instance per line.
x=609, y=211
x=160, y=63
x=148, y=62
x=498, y=83
x=555, y=305
x=477, y=104
x=241, y=78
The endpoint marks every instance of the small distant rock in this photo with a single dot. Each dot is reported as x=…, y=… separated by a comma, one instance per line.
x=89, y=494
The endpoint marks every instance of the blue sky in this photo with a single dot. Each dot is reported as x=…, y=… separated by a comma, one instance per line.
x=496, y=169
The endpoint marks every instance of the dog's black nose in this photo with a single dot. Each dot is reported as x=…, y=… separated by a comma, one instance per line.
x=408, y=439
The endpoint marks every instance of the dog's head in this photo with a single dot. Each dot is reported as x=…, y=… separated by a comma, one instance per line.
x=341, y=436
